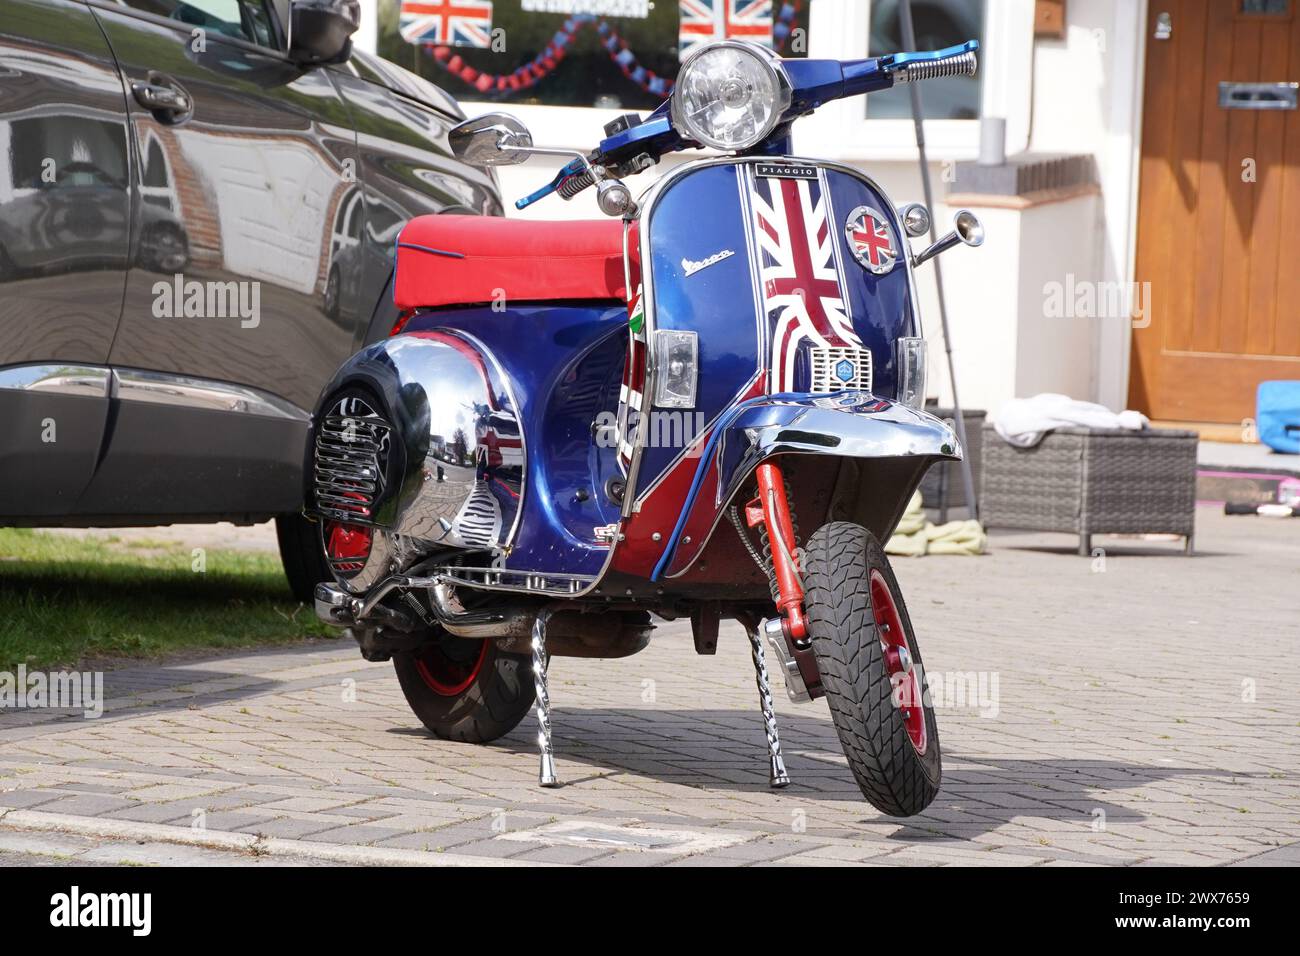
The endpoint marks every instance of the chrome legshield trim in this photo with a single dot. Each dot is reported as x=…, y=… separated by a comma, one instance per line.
x=500, y=579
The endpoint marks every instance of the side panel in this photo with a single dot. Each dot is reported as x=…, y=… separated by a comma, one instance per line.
x=563, y=365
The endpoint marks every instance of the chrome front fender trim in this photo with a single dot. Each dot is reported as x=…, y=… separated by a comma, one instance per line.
x=846, y=425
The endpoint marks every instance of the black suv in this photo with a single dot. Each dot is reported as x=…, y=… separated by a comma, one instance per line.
x=199, y=201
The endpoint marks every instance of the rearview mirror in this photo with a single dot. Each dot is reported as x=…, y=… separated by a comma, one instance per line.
x=493, y=139
x=320, y=31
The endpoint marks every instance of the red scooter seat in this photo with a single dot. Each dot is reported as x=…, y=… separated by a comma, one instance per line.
x=456, y=260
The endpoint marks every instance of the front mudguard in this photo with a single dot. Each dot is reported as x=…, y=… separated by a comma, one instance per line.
x=884, y=448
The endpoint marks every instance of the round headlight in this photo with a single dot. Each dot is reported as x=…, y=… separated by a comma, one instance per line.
x=730, y=95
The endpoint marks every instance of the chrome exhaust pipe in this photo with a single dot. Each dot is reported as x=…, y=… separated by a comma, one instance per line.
x=497, y=622
x=339, y=608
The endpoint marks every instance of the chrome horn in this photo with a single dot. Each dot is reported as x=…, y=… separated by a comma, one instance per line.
x=968, y=229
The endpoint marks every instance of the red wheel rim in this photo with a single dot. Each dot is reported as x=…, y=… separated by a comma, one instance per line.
x=898, y=655
x=446, y=676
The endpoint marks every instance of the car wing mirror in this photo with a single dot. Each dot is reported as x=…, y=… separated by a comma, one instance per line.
x=320, y=31
x=493, y=139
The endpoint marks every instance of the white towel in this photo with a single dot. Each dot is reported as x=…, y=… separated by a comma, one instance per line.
x=1024, y=421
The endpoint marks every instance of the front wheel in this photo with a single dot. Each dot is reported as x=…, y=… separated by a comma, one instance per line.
x=871, y=669
x=466, y=689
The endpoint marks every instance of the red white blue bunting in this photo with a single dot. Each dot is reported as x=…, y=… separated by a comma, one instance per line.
x=545, y=62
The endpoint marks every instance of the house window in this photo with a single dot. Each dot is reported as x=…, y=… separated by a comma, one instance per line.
x=938, y=24
x=609, y=54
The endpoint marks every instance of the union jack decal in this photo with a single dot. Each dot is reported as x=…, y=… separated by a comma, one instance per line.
x=631, y=396
x=799, y=276
x=447, y=22
x=871, y=240
x=706, y=20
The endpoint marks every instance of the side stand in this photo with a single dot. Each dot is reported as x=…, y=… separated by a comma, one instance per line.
x=777, y=777
x=546, y=776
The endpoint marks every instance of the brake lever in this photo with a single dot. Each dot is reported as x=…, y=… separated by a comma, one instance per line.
x=575, y=167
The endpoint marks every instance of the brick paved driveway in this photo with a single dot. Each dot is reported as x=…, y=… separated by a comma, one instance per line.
x=1144, y=713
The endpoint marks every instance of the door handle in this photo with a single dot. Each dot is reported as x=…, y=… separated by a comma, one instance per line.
x=164, y=99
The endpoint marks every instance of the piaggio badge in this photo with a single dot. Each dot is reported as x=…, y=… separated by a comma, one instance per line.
x=785, y=171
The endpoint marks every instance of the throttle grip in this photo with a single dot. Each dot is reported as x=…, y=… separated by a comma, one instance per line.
x=963, y=64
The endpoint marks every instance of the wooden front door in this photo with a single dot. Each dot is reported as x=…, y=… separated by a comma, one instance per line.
x=1219, y=210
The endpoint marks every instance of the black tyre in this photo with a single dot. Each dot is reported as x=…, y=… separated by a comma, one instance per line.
x=302, y=555
x=466, y=689
x=165, y=249
x=863, y=639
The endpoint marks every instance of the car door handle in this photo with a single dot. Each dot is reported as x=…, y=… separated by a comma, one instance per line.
x=166, y=99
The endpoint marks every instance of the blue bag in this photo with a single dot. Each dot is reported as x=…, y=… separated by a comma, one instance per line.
x=1277, y=416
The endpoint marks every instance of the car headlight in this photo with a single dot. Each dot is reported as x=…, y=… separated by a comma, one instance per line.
x=730, y=95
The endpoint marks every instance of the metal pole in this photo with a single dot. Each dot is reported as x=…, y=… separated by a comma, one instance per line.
x=913, y=89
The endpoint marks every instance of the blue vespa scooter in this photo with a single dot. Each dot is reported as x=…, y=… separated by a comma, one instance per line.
x=707, y=406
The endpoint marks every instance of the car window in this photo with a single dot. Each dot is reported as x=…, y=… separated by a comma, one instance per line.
x=242, y=19
x=383, y=220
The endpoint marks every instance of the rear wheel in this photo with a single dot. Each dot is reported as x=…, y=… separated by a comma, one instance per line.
x=466, y=689
x=871, y=669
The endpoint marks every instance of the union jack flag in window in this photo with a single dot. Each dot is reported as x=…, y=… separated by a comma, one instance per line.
x=706, y=20
x=447, y=22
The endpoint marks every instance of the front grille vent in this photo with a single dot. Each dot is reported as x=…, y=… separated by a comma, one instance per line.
x=840, y=369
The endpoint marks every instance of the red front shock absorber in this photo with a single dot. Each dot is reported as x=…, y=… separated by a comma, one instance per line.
x=785, y=565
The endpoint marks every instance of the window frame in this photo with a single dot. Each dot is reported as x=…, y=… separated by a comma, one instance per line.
x=840, y=29
x=279, y=30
